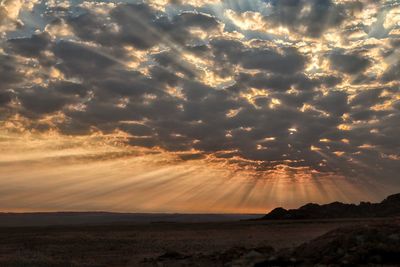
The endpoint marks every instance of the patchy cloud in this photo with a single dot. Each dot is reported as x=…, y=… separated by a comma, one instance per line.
x=316, y=89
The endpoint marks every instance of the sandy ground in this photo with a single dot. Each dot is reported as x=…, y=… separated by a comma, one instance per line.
x=129, y=245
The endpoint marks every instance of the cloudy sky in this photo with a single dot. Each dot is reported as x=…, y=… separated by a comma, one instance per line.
x=197, y=106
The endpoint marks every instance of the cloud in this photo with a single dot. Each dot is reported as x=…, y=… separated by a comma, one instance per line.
x=30, y=47
x=368, y=98
x=10, y=12
x=349, y=63
x=335, y=103
x=5, y=98
x=9, y=74
x=139, y=25
x=82, y=60
x=285, y=60
x=310, y=18
x=392, y=73
x=40, y=100
x=179, y=78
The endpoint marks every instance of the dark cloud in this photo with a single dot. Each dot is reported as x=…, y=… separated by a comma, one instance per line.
x=367, y=98
x=30, y=47
x=349, y=63
x=335, y=103
x=137, y=129
x=367, y=114
x=194, y=19
x=279, y=82
x=175, y=64
x=39, y=100
x=286, y=60
x=69, y=88
x=82, y=61
x=5, y=98
x=295, y=100
x=9, y=73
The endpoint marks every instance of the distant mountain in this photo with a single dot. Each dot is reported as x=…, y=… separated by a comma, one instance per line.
x=387, y=208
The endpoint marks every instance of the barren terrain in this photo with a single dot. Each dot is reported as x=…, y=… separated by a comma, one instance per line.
x=142, y=244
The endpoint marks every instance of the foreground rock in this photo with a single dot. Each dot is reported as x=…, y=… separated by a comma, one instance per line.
x=387, y=208
x=374, y=245
x=235, y=257
x=364, y=245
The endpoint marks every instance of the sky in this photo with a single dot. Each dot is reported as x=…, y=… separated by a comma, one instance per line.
x=234, y=106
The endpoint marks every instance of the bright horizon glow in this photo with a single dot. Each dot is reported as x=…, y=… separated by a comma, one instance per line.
x=56, y=173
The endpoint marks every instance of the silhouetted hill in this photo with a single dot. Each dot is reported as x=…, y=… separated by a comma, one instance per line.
x=387, y=208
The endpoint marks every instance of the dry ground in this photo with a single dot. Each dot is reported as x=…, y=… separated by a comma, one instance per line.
x=128, y=245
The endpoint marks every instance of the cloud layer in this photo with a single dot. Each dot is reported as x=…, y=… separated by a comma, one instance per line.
x=258, y=85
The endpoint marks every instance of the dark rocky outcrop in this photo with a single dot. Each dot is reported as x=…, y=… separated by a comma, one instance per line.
x=370, y=244
x=364, y=245
x=387, y=208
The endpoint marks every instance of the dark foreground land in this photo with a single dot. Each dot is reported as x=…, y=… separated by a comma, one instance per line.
x=357, y=242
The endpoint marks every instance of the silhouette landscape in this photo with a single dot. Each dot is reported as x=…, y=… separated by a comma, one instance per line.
x=335, y=234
